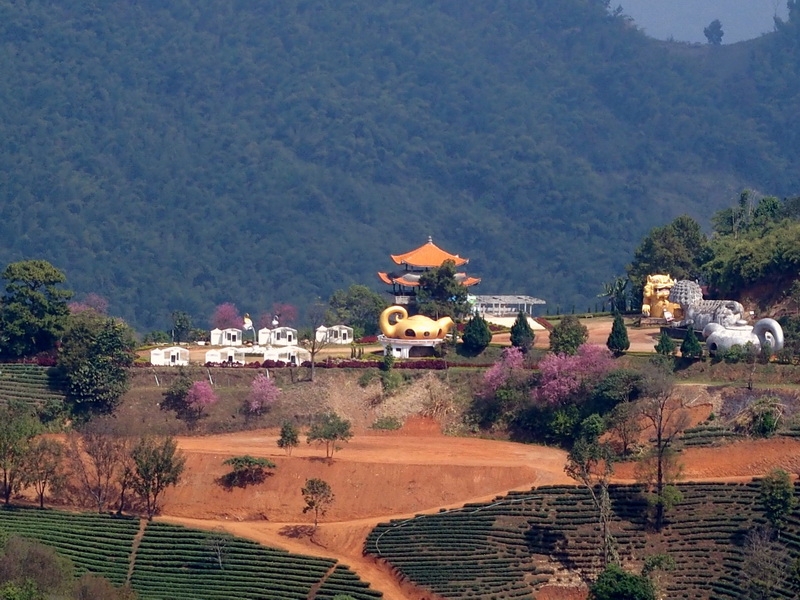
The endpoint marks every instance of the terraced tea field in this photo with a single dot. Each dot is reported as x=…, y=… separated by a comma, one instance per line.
x=170, y=562
x=31, y=384
x=512, y=546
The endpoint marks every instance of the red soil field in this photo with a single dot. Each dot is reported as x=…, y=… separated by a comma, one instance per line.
x=378, y=476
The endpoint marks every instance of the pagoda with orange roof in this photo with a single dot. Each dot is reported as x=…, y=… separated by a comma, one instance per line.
x=429, y=256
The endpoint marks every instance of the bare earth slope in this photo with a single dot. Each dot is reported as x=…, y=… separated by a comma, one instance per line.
x=380, y=476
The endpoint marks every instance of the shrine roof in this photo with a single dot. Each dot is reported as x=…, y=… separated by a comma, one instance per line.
x=412, y=279
x=429, y=255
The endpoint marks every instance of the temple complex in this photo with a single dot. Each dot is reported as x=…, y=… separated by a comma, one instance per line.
x=413, y=264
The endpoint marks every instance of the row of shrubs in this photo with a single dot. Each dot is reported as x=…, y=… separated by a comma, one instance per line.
x=434, y=364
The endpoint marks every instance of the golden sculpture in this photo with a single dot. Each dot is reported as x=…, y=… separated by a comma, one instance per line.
x=417, y=327
x=655, y=302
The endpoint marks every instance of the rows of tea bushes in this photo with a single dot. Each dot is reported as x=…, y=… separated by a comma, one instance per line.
x=709, y=435
x=508, y=548
x=97, y=543
x=29, y=383
x=176, y=563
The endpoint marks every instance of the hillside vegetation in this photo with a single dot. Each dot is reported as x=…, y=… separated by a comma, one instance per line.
x=173, y=155
x=512, y=546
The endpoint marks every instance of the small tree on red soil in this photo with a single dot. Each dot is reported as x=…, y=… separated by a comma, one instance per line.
x=226, y=316
x=263, y=394
x=318, y=497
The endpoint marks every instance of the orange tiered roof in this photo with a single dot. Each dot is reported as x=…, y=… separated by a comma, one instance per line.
x=427, y=256
x=412, y=279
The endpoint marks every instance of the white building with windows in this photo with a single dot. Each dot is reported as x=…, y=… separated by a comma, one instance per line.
x=284, y=336
x=337, y=334
x=226, y=337
x=174, y=356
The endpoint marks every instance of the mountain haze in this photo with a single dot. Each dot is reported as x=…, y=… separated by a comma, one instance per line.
x=175, y=155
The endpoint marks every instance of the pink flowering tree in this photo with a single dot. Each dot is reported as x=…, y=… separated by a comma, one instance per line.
x=563, y=377
x=199, y=397
x=500, y=373
x=93, y=302
x=286, y=313
x=263, y=394
x=226, y=316
x=504, y=390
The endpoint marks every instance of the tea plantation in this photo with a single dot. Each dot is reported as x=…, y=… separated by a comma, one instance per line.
x=510, y=547
x=30, y=383
x=176, y=563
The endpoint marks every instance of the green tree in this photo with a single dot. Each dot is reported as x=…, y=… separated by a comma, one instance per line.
x=95, y=358
x=158, y=465
x=568, y=336
x=777, y=497
x=181, y=326
x=616, y=584
x=690, y=346
x=522, y=335
x=35, y=571
x=96, y=457
x=33, y=310
x=714, y=32
x=17, y=428
x=477, y=335
x=618, y=341
x=666, y=345
x=440, y=294
x=329, y=429
x=616, y=293
x=318, y=496
x=678, y=249
x=246, y=470
x=289, y=438
x=175, y=396
x=359, y=307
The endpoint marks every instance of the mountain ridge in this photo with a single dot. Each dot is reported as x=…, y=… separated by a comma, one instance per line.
x=178, y=155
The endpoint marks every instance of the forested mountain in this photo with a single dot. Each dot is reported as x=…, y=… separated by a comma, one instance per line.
x=176, y=154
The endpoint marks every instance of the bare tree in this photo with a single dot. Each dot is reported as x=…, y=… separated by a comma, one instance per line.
x=766, y=563
x=217, y=544
x=624, y=422
x=668, y=417
x=316, y=342
x=127, y=473
x=591, y=463
x=96, y=457
x=43, y=466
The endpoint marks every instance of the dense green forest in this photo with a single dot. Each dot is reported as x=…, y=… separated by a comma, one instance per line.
x=174, y=155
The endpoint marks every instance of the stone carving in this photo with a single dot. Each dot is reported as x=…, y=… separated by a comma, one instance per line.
x=698, y=312
x=766, y=332
x=417, y=327
x=655, y=301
